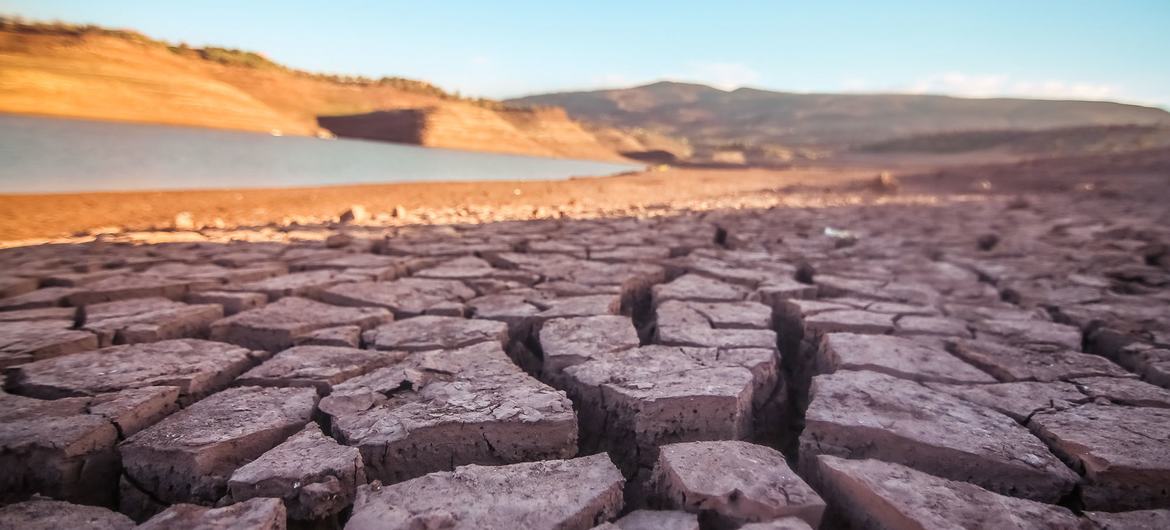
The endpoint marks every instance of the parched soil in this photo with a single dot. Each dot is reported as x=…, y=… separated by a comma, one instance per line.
x=864, y=360
x=51, y=216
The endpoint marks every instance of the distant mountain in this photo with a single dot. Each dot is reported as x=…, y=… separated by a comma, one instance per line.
x=751, y=119
x=97, y=73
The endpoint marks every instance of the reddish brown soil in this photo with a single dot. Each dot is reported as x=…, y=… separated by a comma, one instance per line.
x=55, y=215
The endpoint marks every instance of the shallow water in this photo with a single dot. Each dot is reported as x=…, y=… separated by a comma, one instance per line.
x=45, y=155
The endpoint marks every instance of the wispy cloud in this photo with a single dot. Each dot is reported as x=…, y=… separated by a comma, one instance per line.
x=992, y=85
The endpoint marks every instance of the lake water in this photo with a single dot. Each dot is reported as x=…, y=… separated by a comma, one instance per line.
x=46, y=155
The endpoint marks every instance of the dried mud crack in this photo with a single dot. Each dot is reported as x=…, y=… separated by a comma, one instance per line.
x=875, y=365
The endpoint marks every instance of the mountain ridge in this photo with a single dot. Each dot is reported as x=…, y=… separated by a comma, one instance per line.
x=712, y=119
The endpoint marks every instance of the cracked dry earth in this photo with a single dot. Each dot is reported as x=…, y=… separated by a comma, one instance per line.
x=992, y=363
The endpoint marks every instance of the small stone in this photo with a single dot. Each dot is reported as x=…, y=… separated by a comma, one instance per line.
x=986, y=242
x=571, y=494
x=338, y=240
x=735, y=482
x=183, y=221
x=355, y=214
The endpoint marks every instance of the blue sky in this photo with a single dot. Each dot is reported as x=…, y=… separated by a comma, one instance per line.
x=1118, y=50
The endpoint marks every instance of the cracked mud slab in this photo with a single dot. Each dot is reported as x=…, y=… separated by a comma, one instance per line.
x=733, y=483
x=573, y=494
x=876, y=494
x=314, y=475
x=1123, y=453
x=870, y=415
x=190, y=455
x=450, y=407
x=278, y=325
x=196, y=367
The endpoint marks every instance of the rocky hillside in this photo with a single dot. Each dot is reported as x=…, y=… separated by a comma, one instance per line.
x=95, y=73
x=781, y=124
x=1062, y=141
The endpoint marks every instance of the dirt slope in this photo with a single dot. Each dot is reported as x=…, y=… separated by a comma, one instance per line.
x=122, y=76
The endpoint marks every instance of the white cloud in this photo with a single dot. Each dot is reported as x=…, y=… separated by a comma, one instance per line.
x=993, y=85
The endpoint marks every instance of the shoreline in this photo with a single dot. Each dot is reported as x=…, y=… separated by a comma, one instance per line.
x=29, y=218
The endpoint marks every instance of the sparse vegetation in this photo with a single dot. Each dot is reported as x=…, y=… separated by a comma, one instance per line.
x=237, y=58
x=1086, y=139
